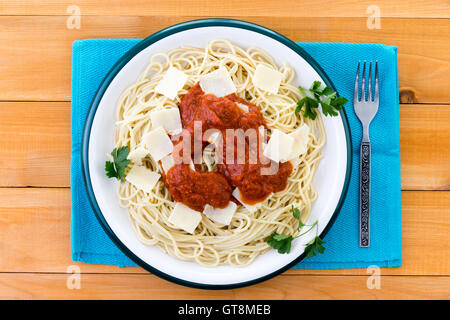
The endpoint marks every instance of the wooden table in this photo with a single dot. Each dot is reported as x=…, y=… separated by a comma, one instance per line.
x=35, y=69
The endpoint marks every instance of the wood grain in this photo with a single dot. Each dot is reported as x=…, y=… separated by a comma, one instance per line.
x=424, y=147
x=125, y=286
x=35, y=234
x=35, y=140
x=36, y=62
x=234, y=8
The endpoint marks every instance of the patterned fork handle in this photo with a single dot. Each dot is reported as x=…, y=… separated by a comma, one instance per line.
x=364, y=195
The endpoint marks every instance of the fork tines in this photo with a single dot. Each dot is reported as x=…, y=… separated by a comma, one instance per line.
x=369, y=97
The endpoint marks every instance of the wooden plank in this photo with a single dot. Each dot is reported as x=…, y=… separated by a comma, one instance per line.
x=424, y=147
x=35, y=52
x=35, y=140
x=35, y=234
x=234, y=8
x=100, y=286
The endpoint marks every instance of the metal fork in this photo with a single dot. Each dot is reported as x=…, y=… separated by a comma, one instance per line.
x=365, y=109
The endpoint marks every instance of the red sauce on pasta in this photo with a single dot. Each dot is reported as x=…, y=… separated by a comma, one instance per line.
x=196, y=188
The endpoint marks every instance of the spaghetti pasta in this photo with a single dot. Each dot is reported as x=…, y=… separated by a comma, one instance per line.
x=244, y=239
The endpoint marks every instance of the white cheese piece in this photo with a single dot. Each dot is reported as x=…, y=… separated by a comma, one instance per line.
x=279, y=147
x=169, y=119
x=191, y=165
x=218, y=83
x=137, y=155
x=185, y=218
x=209, y=157
x=167, y=162
x=252, y=208
x=157, y=143
x=242, y=106
x=211, y=153
x=267, y=79
x=172, y=82
x=222, y=216
x=301, y=139
x=215, y=137
x=142, y=178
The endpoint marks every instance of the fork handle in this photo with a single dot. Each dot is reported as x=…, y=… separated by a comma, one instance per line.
x=364, y=195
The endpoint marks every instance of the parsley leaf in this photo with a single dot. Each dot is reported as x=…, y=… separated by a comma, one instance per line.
x=315, y=86
x=296, y=214
x=314, y=247
x=283, y=242
x=327, y=91
x=315, y=96
x=280, y=242
x=110, y=169
x=116, y=169
x=339, y=102
x=310, y=104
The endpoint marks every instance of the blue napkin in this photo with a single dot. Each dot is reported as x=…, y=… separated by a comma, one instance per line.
x=93, y=58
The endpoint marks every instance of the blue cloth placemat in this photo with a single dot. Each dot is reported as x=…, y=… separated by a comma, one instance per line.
x=93, y=58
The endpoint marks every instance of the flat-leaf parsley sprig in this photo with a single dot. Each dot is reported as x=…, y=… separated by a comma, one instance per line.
x=318, y=95
x=116, y=168
x=283, y=242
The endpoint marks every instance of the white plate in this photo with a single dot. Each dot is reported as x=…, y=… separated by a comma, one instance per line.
x=331, y=178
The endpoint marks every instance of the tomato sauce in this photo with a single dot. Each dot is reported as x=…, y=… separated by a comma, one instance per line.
x=196, y=188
